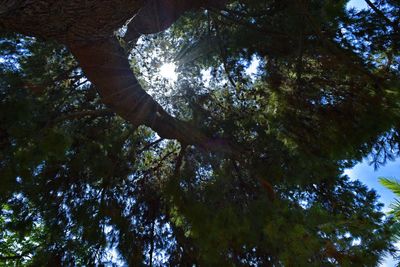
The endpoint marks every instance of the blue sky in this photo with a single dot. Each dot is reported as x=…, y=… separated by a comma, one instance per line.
x=366, y=173
x=359, y=4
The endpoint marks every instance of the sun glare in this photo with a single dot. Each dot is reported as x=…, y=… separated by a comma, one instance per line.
x=167, y=71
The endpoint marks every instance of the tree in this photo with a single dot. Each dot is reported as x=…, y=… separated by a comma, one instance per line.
x=87, y=30
x=260, y=184
x=394, y=186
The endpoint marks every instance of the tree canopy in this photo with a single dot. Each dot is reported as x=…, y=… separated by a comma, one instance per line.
x=103, y=161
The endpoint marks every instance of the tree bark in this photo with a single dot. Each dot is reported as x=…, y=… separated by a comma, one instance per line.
x=87, y=27
x=158, y=15
x=107, y=67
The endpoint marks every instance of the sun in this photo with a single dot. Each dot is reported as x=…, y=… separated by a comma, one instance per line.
x=167, y=71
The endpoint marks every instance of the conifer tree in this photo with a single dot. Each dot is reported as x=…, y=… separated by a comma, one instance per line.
x=103, y=161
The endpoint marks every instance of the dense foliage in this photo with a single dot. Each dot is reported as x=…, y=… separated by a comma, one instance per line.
x=81, y=186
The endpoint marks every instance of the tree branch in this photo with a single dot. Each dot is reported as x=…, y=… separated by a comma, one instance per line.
x=146, y=147
x=379, y=12
x=159, y=15
x=107, y=67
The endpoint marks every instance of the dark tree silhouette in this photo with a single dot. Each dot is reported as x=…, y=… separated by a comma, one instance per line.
x=78, y=182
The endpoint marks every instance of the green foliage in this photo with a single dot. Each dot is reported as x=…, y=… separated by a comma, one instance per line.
x=391, y=184
x=78, y=183
x=394, y=186
x=21, y=233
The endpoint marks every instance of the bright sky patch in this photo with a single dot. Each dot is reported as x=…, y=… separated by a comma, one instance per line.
x=167, y=71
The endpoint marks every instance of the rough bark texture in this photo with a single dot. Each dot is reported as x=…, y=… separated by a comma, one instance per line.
x=158, y=15
x=87, y=28
x=106, y=65
x=67, y=20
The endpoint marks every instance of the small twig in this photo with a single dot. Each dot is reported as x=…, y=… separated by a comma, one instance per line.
x=150, y=145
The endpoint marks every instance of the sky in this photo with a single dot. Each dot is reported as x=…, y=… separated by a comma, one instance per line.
x=366, y=173
x=359, y=4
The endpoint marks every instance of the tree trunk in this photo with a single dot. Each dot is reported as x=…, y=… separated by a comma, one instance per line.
x=107, y=67
x=87, y=27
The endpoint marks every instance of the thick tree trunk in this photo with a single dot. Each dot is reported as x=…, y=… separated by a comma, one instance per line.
x=67, y=20
x=107, y=67
x=87, y=27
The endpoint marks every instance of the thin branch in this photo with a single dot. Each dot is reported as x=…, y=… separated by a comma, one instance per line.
x=150, y=145
x=395, y=26
x=223, y=55
x=380, y=13
x=82, y=114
